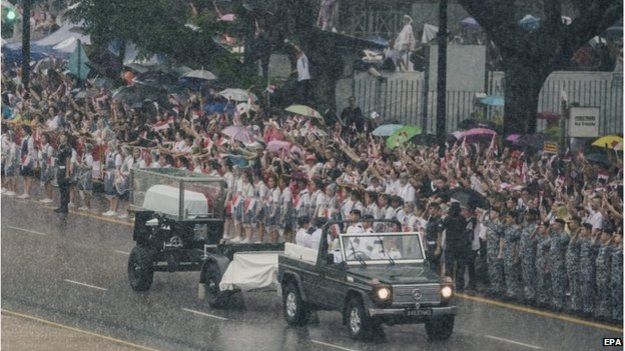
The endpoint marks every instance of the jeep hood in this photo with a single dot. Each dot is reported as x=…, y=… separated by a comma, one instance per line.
x=397, y=274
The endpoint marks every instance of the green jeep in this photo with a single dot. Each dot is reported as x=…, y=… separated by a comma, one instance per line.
x=371, y=279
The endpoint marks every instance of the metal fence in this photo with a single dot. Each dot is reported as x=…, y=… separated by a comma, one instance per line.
x=402, y=100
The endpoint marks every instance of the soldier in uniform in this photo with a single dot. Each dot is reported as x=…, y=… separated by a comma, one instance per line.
x=528, y=254
x=602, y=275
x=433, y=233
x=543, y=274
x=512, y=271
x=587, y=253
x=616, y=278
x=63, y=176
x=559, y=241
x=494, y=231
x=572, y=263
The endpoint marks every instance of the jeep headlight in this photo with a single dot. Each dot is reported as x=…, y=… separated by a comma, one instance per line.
x=383, y=293
x=447, y=292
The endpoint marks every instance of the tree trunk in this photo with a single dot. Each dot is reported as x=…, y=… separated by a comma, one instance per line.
x=523, y=82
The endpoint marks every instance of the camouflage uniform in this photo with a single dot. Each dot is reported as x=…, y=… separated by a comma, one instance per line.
x=543, y=281
x=587, y=255
x=572, y=272
x=512, y=269
x=558, y=269
x=616, y=283
x=528, y=260
x=495, y=265
x=602, y=281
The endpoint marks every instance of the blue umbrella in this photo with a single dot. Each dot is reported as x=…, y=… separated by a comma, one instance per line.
x=378, y=40
x=386, y=129
x=529, y=22
x=469, y=22
x=493, y=100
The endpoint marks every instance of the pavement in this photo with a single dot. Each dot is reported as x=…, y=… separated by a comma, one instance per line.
x=67, y=274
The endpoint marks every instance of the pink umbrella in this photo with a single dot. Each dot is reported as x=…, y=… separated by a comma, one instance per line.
x=238, y=133
x=549, y=116
x=513, y=137
x=278, y=145
x=478, y=133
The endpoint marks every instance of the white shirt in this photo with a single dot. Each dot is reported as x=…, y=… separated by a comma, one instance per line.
x=392, y=187
x=302, y=68
x=407, y=192
x=315, y=238
x=595, y=219
x=301, y=237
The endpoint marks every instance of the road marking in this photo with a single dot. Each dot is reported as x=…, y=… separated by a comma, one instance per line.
x=547, y=314
x=205, y=314
x=122, y=252
x=331, y=345
x=513, y=342
x=84, y=284
x=63, y=326
x=27, y=231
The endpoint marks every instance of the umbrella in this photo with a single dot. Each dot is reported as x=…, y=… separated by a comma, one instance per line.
x=469, y=22
x=424, y=139
x=402, y=135
x=532, y=140
x=304, y=110
x=200, y=74
x=278, y=145
x=477, y=133
x=513, y=137
x=238, y=133
x=139, y=93
x=548, y=116
x=469, y=197
x=614, y=142
x=237, y=94
x=599, y=158
x=493, y=100
x=529, y=22
x=386, y=129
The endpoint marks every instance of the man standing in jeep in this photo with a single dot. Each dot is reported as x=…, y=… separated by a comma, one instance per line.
x=433, y=233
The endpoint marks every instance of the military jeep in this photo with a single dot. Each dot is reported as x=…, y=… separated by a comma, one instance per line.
x=371, y=279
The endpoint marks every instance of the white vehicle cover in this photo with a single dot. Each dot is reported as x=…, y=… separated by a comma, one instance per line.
x=251, y=270
x=165, y=199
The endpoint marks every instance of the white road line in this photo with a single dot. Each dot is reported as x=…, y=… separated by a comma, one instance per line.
x=84, y=284
x=331, y=345
x=205, y=314
x=514, y=342
x=27, y=231
x=122, y=252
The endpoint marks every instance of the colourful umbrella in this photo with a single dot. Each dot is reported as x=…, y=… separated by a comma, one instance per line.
x=278, y=145
x=402, y=135
x=478, y=133
x=548, y=116
x=305, y=111
x=614, y=142
x=386, y=129
x=493, y=100
x=238, y=133
x=237, y=94
x=513, y=137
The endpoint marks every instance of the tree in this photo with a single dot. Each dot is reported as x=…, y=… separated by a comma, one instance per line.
x=529, y=56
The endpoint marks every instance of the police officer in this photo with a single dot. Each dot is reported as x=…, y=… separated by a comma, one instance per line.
x=63, y=173
x=616, y=278
x=433, y=231
x=559, y=241
x=602, y=275
x=528, y=254
x=587, y=254
x=494, y=232
x=543, y=281
x=572, y=263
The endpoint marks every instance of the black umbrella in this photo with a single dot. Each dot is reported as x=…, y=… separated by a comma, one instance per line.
x=423, y=139
x=469, y=197
x=138, y=93
x=601, y=159
x=532, y=140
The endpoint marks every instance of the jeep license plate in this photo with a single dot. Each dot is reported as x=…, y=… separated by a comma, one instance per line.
x=416, y=313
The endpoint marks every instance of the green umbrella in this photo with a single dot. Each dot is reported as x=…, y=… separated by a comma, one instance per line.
x=402, y=135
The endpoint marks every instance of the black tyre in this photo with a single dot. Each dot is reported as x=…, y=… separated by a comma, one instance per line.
x=215, y=297
x=296, y=312
x=140, y=272
x=360, y=326
x=440, y=328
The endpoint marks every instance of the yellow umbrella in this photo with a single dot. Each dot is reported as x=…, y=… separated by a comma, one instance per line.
x=304, y=111
x=614, y=142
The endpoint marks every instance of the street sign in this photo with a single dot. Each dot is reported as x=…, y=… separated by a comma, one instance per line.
x=551, y=148
x=584, y=122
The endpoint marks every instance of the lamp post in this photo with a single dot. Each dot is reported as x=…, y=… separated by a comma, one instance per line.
x=441, y=85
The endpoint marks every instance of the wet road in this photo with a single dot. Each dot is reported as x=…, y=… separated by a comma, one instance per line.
x=72, y=270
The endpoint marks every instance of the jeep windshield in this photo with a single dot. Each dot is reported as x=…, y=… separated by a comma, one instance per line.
x=381, y=248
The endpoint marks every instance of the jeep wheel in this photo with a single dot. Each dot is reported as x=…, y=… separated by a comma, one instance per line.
x=140, y=273
x=358, y=323
x=440, y=328
x=215, y=297
x=295, y=311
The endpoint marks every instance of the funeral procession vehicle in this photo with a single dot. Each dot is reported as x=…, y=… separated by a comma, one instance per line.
x=371, y=279
x=179, y=220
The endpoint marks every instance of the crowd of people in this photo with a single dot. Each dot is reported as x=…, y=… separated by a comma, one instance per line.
x=551, y=234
